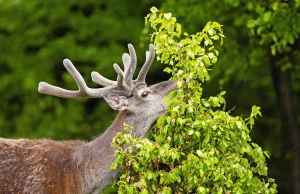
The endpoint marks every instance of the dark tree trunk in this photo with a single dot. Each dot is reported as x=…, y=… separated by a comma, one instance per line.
x=289, y=125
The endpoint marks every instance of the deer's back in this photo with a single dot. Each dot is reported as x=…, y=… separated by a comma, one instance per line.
x=38, y=166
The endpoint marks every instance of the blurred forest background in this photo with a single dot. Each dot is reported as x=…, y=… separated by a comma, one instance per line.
x=258, y=65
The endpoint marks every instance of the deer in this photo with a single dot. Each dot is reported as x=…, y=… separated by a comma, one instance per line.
x=45, y=166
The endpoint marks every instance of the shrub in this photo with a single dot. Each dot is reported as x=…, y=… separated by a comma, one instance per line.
x=197, y=147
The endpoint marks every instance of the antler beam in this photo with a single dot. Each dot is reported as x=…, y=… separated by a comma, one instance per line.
x=83, y=92
x=123, y=86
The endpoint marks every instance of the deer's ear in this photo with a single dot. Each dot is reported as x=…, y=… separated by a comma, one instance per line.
x=116, y=102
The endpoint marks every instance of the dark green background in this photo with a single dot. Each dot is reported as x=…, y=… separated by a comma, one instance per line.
x=36, y=35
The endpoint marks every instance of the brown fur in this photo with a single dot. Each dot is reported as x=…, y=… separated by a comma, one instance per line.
x=38, y=166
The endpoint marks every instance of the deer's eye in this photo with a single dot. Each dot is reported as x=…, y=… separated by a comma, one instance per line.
x=145, y=94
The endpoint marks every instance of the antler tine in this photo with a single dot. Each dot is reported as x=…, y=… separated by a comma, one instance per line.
x=46, y=88
x=99, y=79
x=129, y=67
x=76, y=75
x=149, y=60
x=126, y=62
x=129, y=61
x=120, y=75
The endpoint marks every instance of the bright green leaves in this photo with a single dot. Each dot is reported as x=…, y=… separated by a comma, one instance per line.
x=164, y=23
x=140, y=176
x=255, y=111
x=196, y=147
x=197, y=50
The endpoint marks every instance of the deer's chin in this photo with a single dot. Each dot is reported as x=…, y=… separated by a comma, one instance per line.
x=162, y=112
x=164, y=107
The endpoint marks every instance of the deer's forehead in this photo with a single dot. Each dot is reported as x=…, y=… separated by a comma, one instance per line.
x=140, y=90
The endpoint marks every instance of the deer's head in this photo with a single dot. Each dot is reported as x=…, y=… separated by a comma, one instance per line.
x=134, y=96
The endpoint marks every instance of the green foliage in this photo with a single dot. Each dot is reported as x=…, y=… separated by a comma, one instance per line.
x=196, y=147
x=270, y=24
x=245, y=68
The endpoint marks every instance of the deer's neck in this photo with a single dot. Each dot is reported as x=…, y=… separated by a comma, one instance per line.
x=95, y=157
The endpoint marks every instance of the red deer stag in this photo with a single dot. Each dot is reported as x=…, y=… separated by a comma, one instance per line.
x=75, y=167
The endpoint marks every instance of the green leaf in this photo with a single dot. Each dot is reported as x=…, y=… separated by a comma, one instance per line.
x=168, y=16
x=153, y=9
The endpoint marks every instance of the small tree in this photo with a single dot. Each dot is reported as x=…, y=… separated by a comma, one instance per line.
x=196, y=147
